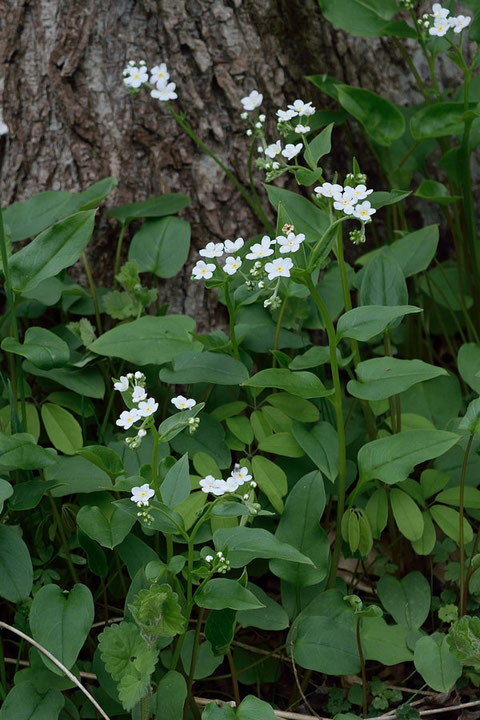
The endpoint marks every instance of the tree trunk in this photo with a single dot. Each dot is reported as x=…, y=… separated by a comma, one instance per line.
x=71, y=121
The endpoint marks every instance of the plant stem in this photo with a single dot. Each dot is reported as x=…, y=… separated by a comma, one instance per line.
x=231, y=320
x=236, y=690
x=118, y=254
x=169, y=541
x=463, y=590
x=3, y=674
x=93, y=292
x=155, y=460
x=63, y=536
x=342, y=467
x=144, y=708
x=196, y=641
x=364, y=673
x=279, y=327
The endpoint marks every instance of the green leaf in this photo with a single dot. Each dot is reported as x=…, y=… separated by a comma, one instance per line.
x=168, y=204
x=391, y=459
x=50, y=252
x=304, y=384
x=84, y=381
x=321, y=445
x=251, y=708
x=61, y=622
x=93, y=196
x=451, y=496
x=220, y=629
x=304, y=215
x=306, y=501
x=363, y=323
x=359, y=17
x=107, y=524
x=221, y=593
x=240, y=426
x=379, y=117
x=326, y=645
x=104, y=458
x=295, y=407
x=435, y=192
x=471, y=419
x=377, y=511
x=76, y=475
x=448, y=520
x=209, y=367
x=42, y=347
x=29, y=217
x=384, y=643
x=436, y=663
x=380, y=199
x=413, y=252
x=281, y=443
x=270, y=617
x=6, y=491
x=164, y=519
x=148, y=340
x=20, y=452
x=380, y=378
x=407, y=600
x=425, y=545
x=24, y=702
x=246, y=544
x=321, y=143
x=161, y=246
x=64, y=431
x=464, y=641
x=16, y=572
x=271, y=480
x=207, y=662
x=156, y=611
x=438, y=120
x=468, y=362
x=176, y=486
x=209, y=438
x=171, y=696
x=383, y=282
x=218, y=710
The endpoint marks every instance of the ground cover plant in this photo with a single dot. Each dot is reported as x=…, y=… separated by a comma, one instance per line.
x=279, y=518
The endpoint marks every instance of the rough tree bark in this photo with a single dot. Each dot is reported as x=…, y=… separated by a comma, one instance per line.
x=71, y=122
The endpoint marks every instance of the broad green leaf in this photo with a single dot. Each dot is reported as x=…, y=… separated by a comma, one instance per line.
x=363, y=323
x=176, y=486
x=171, y=696
x=221, y=593
x=251, y=708
x=24, y=702
x=16, y=572
x=161, y=246
x=64, y=431
x=304, y=384
x=29, y=217
x=61, y=622
x=148, y=340
x=377, y=511
x=380, y=378
x=218, y=710
x=96, y=558
x=326, y=645
x=451, y=496
x=384, y=643
x=246, y=544
x=438, y=120
x=53, y=250
x=304, y=215
x=379, y=117
x=281, y=443
x=220, y=629
x=435, y=192
x=157, y=612
x=106, y=524
x=295, y=407
x=241, y=427
x=359, y=17
x=314, y=357
x=33, y=420
x=383, y=282
x=270, y=617
x=425, y=545
x=104, y=458
x=380, y=199
x=321, y=144
x=164, y=519
x=207, y=662
x=471, y=419
x=448, y=520
x=209, y=367
x=93, y=196
x=407, y=600
x=464, y=641
x=438, y=400
x=42, y=347
x=209, y=438
x=391, y=459
x=6, y=491
x=432, y=481
x=169, y=204
x=76, y=475
x=271, y=480
x=84, y=381
x=468, y=361
x=436, y=663
x=321, y=445
x=306, y=501
x=413, y=252
x=20, y=452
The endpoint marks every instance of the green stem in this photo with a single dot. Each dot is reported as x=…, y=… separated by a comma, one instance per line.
x=93, y=292
x=144, y=714
x=118, y=254
x=231, y=320
x=155, y=460
x=463, y=590
x=340, y=426
x=396, y=423
x=405, y=55
x=236, y=690
x=196, y=642
x=169, y=541
x=63, y=537
x=364, y=672
x=279, y=327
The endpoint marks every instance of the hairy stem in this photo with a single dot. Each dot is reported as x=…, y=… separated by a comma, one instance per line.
x=461, y=509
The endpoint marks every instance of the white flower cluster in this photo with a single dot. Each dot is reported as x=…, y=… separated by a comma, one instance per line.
x=239, y=476
x=204, y=271
x=443, y=21
x=134, y=383
x=135, y=75
x=347, y=199
x=218, y=562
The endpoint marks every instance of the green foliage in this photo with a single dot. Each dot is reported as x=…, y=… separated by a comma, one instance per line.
x=157, y=612
x=464, y=641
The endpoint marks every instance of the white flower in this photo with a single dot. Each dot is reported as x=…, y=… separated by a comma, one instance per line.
x=439, y=12
x=212, y=250
x=359, y=192
x=122, y=384
x=328, y=190
x=249, y=132
x=141, y=495
x=286, y=115
x=274, y=149
x=208, y=558
x=440, y=28
x=344, y=201
x=135, y=76
x=138, y=394
x=231, y=485
x=141, y=433
x=203, y=270
x=302, y=108
x=252, y=101
x=211, y=485
x=261, y=249
x=291, y=243
x=129, y=376
x=127, y=418
x=159, y=74
x=183, y=403
x=231, y=247
x=460, y=22
x=291, y=151
x=164, y=91
x=363, y=211
x=232, y=264
x=253, y=484
x=302, y=129
x=240, y=474
x=139, y=375
x=148, y=407
x=279, y=268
